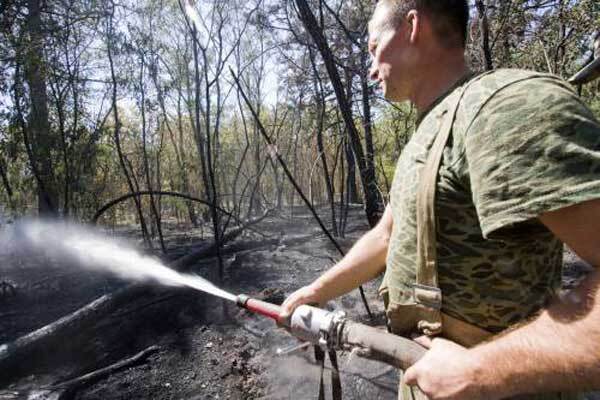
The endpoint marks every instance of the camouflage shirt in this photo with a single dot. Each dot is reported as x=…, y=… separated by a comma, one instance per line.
x=523, y=144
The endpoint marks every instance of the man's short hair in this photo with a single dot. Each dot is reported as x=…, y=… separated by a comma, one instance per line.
x=450, y=18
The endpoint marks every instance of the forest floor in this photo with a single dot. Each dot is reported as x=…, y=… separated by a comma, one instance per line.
x=209, y=349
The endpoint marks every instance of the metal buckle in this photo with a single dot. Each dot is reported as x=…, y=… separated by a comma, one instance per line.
x=428, y=296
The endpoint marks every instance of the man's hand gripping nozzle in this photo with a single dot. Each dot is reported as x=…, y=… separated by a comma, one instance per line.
x=333, y=331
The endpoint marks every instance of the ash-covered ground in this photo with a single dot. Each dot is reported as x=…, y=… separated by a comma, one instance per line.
x=209, y=349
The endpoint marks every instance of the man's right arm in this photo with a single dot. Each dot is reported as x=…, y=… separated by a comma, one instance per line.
x=364, y=261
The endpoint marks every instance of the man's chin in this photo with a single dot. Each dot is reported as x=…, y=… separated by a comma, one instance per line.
x=394, y=97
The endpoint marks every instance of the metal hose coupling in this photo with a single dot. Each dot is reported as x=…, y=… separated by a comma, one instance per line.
x=317, y=326
x=241, y=300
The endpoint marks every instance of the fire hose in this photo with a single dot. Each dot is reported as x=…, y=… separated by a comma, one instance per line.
x=334, y=331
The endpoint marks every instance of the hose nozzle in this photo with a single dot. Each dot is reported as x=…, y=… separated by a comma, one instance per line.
x=260, y=307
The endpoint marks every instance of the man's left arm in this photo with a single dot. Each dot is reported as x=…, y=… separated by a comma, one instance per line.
x=559, y=350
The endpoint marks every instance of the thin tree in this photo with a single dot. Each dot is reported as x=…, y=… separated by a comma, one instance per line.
x=373, y=201
x=110, y=39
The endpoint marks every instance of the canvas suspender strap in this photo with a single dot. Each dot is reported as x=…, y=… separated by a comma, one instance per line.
x=427, y=293
x=320, y=358
x=336, y=383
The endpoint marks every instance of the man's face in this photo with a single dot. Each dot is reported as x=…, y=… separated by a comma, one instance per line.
x=388, y=47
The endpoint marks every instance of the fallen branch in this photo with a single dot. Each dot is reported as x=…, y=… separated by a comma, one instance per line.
x=185, y=261
x=14, y=356
x=137, y=309
x=67, y=389
x=89, y=378
x=127, y=196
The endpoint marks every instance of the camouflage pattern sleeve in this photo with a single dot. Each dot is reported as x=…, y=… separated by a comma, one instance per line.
x=533, y=147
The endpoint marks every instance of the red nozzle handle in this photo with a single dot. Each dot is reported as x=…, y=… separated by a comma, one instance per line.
x=259, y=307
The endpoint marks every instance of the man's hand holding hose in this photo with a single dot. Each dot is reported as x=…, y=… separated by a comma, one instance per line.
x=305, y=295
x=459, y=379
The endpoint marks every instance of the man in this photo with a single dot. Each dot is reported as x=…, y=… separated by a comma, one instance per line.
x=519, y=174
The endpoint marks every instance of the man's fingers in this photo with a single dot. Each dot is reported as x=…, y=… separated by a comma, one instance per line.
x=410, y=376
x=286, y=309
x=304, y=295
x=424, y=341
x=290, y=304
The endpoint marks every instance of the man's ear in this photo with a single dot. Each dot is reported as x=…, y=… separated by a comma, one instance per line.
x=413, y=25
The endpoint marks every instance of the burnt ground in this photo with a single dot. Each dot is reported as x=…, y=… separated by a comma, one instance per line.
x=209, y=349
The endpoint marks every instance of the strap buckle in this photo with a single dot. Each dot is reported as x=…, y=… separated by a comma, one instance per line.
x=428, y=296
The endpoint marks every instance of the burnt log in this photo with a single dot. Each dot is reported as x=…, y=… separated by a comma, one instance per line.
x=66, y=390
x=74, y=384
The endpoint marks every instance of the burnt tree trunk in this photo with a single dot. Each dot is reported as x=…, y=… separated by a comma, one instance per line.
x=18, y=93
x=204, y=141
x=352, y=190
x=211, y=189
x=6, y=184
x=254, y=205
x=484, y=30
x=200, y=140
x=178, y=149
x=42, y=137
x=373, y=201
x=185, y=180
x=238, y=171
x=59, y=101
x=341, y=149
x=318, y=87
x=367, y=120
x=155, y=210
x=117, y=128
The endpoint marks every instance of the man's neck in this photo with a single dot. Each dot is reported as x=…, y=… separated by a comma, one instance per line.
x=437, y=79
